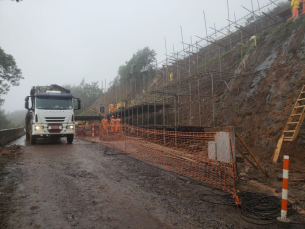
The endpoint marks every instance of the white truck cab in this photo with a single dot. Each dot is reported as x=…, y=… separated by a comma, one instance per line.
x=51, y=113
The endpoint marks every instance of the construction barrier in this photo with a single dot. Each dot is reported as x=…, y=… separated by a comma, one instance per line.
x=205, y=156
x=285, y=187
x=92, y=131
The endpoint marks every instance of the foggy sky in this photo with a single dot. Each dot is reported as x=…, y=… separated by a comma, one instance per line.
x=63, y=41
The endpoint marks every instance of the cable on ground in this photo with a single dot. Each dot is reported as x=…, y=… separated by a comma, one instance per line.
x=256, y=208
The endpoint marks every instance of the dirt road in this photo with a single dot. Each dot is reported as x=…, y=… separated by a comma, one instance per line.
x=88, y=185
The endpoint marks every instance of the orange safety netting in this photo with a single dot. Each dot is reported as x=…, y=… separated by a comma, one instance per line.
x=206, y=156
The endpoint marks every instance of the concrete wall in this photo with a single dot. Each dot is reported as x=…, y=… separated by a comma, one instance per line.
x=10, y=135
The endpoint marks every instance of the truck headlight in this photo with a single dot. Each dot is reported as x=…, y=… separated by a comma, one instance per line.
x=70, y=127
x=38, y=127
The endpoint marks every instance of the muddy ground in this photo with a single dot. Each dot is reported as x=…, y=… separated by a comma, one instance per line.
x=88, y=185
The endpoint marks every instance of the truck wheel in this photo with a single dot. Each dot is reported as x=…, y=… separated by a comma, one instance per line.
x=70, y=138
x=32, y=139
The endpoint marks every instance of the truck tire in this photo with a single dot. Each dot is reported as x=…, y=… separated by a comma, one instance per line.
x=70, y=138
x=32, y=139
x=27, y=134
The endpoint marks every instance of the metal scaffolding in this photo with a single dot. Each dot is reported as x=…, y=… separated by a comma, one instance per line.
x=185, y=86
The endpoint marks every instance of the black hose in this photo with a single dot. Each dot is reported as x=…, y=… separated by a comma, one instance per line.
x=256, y=208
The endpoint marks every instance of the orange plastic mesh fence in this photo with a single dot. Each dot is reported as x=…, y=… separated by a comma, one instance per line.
x=206, y=156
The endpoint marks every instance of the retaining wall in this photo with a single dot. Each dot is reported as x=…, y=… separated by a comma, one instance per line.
x=10, y=135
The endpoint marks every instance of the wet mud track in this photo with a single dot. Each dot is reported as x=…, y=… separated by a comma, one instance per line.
x=88, y=185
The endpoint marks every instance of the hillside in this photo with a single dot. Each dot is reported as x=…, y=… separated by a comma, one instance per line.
x=258, y=98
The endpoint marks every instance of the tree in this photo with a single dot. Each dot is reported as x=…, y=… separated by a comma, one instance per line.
x=4, y=123
x=141, y=61
x=88, y=93
x=9, y=72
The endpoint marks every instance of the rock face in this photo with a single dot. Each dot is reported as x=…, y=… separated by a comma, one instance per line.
x=262, y=99
x=258, y=97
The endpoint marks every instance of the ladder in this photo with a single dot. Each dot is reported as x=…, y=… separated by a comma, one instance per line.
x=293, y=124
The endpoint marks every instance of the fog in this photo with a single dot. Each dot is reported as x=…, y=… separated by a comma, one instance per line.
x=63, y=41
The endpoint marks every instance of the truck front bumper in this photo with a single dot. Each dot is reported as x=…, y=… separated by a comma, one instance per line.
x=45, y=130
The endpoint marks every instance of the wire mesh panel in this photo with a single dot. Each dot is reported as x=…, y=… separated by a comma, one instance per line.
x=186, y=153
x=206, y=156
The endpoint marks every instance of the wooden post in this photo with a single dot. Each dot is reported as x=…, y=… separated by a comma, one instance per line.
x=278, y=149
x=142, y=119
x=190, y=88
x=220, y=63
x=155, y=113
x=205, y=62
x=199, y=110
x=189, y=61
x=148, y=114
x=163, y=111
x=164, y=116
x=245, y=156
x=125, y=114
x=178, y=73
x=213, y=103
x=175, y=101
x=197, y=57
x=252, y=154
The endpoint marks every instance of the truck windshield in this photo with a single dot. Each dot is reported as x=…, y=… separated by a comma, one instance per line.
x=54, y=103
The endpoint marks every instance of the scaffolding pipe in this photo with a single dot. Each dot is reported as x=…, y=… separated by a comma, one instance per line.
x=190, y=86
x=212, y=79
x=189, y=61
x=229, y=23
x=197, y=57
x=199, y=110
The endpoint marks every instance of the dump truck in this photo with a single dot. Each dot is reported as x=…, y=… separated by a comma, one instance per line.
x=50, y=113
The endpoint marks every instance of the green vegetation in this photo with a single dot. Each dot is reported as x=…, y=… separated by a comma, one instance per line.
x=249, y=46
x=10, y=74
x=224, y=55
x=246, y=49
x=88, y=93
x=280, y=32
x=15, y=118
x=208, y=63
x=4, y=123
x=140, y=63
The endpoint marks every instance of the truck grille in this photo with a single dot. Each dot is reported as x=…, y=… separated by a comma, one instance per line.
x=54, y=131
x=54, y=119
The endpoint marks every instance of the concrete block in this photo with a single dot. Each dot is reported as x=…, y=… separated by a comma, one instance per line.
x=224, y=148
x=212, y=150
x=283, y=223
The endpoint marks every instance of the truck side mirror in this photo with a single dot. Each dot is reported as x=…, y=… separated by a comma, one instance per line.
x=102, y=109
x=26, y=103
x=79, y=104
